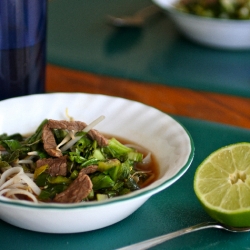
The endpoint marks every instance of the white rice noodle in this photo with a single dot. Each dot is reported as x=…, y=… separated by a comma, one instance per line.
x=14, y=181
x=30, y=175
x=30, y=183
x=4, y=191
x=10, y=193
x=18, y=185
x=9, y=172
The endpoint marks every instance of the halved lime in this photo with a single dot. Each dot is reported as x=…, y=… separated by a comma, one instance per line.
x=222, y=184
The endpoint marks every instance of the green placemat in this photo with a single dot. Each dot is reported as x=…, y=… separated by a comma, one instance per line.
x=79, y=38
x=172, y=209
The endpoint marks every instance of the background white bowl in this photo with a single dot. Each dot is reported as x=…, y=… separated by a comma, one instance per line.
x=214, y=32
x=162, y=135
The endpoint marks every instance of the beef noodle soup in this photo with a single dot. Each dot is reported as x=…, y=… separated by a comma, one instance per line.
x=70, y=162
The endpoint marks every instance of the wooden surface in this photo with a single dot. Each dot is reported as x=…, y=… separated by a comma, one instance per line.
x=215, y=107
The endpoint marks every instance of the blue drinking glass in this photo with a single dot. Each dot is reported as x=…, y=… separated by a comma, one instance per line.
x=22, y=47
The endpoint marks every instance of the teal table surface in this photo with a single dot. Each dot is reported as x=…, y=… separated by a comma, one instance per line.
x=172, y=209
x=79, y=38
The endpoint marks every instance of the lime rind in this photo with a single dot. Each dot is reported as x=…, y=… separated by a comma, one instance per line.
x=234, y=219
x=222, y=184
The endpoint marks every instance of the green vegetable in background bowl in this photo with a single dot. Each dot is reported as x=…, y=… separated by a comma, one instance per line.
x=226, y=9
x=221, y=24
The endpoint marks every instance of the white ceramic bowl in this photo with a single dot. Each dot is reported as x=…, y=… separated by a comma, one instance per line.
x=213, y=32
x=166, y=138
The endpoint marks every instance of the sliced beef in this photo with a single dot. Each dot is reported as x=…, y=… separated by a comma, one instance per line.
x=78, y=126
x=96, y=135
x=49, y=142
x=69, y=125
x=57, y=166
x=79, y=188
x=89, y=169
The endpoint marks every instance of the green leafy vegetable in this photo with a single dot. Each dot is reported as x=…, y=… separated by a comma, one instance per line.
x=224, y=9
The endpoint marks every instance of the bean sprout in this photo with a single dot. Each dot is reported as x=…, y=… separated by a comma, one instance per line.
x=86, y=129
